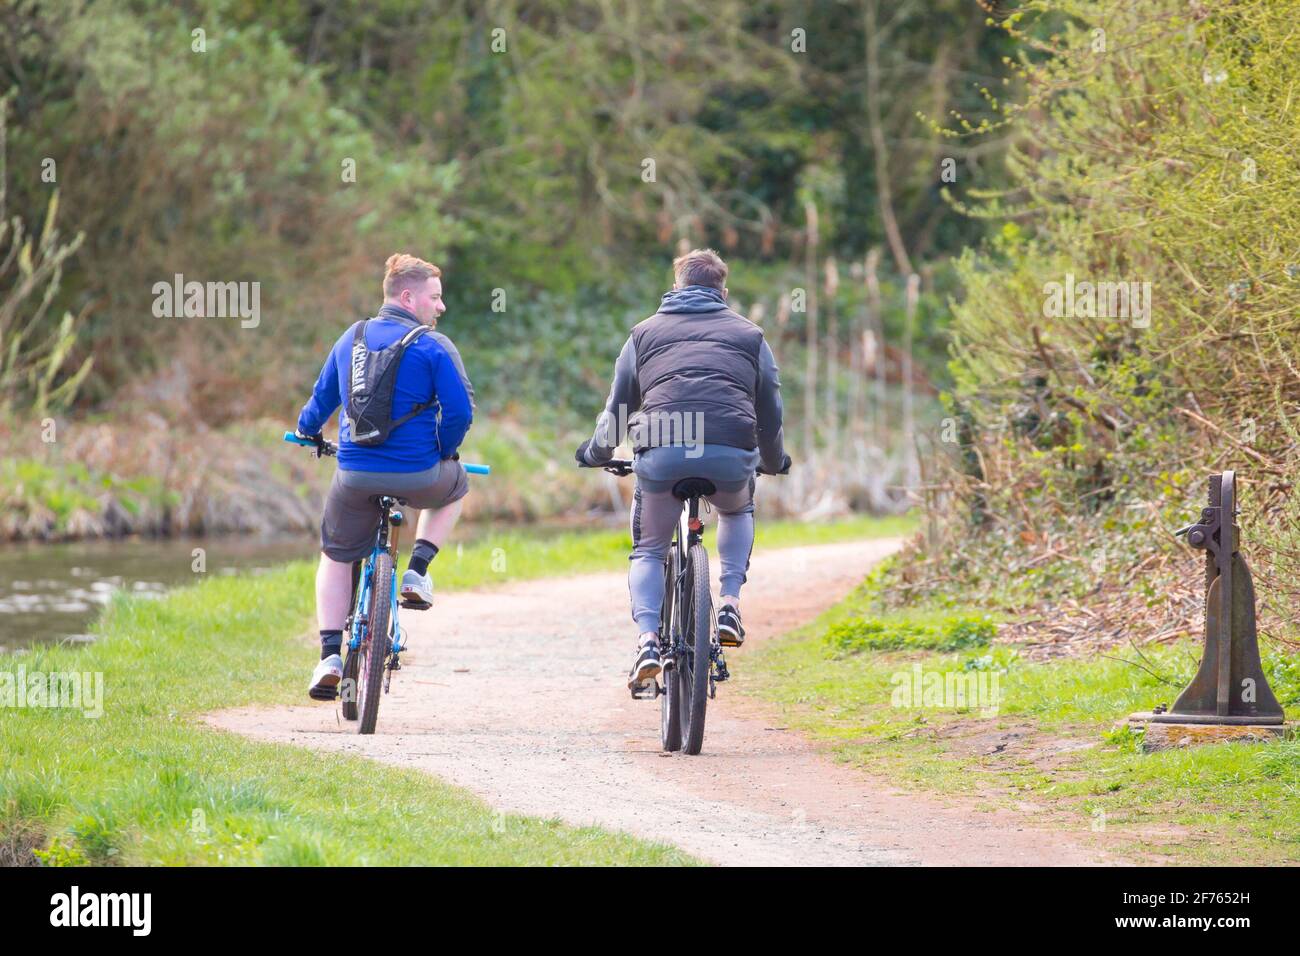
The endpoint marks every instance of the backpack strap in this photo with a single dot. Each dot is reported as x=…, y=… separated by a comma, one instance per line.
x=406, y=341
x=358, y=363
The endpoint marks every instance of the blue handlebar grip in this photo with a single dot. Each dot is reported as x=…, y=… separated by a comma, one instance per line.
x=477, y=469
x=291, y=437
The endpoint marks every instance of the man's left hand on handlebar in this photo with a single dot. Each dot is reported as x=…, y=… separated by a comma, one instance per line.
x=584, y=457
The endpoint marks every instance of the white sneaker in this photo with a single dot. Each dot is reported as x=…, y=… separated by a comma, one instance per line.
x=416, y=591
x=325, y=678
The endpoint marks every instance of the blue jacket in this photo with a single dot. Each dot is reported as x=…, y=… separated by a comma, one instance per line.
x=428, y=372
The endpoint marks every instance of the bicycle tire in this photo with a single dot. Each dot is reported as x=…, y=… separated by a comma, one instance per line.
x=376, y=645
x=697, y=626
x=670, y=717
x=348, y=686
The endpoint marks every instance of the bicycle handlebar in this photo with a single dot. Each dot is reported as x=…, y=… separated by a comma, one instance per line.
x=623, y=467
x=324, y=446
x=615, y=466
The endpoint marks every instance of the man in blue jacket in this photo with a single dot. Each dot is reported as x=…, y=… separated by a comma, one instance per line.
x=415, y=462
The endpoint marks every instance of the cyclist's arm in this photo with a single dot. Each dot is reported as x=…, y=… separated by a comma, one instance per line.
x=767, y=406
x=624, y=399
x=446, y=343
x=455, y=413
x=324, y=399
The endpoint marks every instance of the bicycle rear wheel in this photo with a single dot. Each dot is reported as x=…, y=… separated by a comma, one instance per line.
x=376, y=644
x=697, y=620
x=670, y=717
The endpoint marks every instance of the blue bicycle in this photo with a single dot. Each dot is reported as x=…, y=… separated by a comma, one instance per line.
x=375, y=638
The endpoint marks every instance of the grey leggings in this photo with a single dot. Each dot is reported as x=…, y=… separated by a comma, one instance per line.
x=655, y=513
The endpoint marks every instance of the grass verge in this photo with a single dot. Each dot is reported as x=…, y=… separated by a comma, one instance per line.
x=978, y=720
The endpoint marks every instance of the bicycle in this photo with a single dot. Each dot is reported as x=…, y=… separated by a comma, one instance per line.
x=689, y=645
x=375, y=638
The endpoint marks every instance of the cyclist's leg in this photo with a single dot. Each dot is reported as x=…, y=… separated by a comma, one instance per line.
x=347, y=532
x=333, y=593
x=735, y=507
x=434, y=526
x=654, y=515
x=439, y=503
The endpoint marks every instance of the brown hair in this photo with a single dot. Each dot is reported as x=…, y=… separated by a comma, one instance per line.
x=700, y=267
x=403, y=271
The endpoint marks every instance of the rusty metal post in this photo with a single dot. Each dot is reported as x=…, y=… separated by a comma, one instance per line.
x=1229, y=686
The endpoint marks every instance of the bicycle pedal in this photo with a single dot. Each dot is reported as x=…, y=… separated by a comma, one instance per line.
x=727, y=640
x=324, y=693
x=647, y=691
x=414, y=605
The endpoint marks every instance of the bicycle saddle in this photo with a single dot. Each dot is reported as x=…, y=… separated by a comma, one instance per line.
x=387, y=501
x=693, y=488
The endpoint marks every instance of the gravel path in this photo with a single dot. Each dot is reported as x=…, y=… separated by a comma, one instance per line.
x=517, y=694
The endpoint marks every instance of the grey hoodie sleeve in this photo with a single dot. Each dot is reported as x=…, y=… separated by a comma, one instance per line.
x=771, y=440
x=624, y=399
x=460, y=365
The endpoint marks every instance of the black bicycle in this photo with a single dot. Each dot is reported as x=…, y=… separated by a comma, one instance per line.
x=689, y=644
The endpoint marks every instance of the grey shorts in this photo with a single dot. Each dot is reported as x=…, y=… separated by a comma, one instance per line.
x=351, y=519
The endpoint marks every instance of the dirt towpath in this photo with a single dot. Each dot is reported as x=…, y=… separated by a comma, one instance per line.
x=516, y=693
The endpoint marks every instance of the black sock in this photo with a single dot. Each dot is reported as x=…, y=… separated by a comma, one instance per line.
x=421, y=554
x=331, y=642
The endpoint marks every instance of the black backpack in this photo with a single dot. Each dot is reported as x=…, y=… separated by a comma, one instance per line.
x=369, y=403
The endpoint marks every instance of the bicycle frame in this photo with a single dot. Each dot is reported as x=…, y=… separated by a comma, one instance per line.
x=385, y=541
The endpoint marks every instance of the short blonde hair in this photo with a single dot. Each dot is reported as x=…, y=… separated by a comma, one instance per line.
x=403, y=271
x=700, y=267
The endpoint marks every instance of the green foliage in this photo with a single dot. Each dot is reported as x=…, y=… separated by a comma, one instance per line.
x=59, y=853
x=1152, y=145
x=220, y=157
x=55, y=493
x=1125, y=738
x=506, y=141
x=878, y=634
x=36, y=367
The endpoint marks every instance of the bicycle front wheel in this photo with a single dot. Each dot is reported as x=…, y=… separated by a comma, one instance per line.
x=697, y=626
x=348, y=686
x=376, y=645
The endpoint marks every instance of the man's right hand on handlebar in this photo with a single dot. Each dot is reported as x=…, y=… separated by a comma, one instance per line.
x=784, y=470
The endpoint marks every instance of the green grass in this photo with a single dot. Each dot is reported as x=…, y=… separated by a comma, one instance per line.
x=147, y=783
x=1229, y=803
